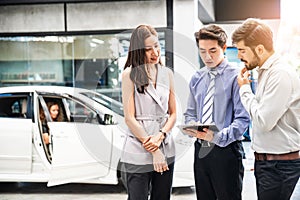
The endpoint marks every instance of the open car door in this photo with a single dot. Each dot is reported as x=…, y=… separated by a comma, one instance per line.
x=81, y=146
x=80, y=152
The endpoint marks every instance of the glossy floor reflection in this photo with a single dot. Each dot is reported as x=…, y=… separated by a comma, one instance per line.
x=38, y=191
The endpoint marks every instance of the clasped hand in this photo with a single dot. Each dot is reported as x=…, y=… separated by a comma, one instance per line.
x=153, y=142
x=159, y=161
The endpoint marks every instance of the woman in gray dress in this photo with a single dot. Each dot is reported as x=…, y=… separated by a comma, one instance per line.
x=150, y=114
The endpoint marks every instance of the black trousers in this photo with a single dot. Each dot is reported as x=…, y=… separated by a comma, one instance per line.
x=142, y=181
x=219, y=172
x=276, y=179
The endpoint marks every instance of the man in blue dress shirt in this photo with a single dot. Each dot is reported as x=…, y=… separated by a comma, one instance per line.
x=218, y=167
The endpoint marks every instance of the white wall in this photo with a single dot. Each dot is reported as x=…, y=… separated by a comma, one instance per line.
x=186, y=63
x=82, y=16
x=116, y=15
x=32, y=18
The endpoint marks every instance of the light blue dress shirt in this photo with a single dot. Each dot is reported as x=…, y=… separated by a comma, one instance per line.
x=229, y=114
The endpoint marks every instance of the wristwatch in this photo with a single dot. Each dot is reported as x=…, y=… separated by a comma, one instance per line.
x=164, y=133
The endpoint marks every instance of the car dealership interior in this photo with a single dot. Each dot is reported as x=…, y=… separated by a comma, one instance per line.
x=84, y=44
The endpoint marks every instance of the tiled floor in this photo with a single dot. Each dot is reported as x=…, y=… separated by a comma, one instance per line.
x=37, y=191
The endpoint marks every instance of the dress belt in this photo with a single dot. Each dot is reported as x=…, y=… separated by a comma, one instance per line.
x=286, y=156
x=159, y=118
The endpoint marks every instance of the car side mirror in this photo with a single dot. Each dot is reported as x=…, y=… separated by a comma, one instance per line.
x=109, y=119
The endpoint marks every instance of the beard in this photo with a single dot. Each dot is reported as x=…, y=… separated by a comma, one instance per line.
x=253, y=63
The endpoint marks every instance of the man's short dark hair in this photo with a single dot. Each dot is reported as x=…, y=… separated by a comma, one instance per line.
x=211, y=32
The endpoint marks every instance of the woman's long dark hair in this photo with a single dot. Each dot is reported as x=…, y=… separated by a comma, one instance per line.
x=137, y=56
x=60, y=116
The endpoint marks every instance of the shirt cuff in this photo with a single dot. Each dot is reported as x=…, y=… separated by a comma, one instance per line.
x=217, y=137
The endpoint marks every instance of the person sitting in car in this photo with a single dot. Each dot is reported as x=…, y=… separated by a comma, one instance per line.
x=55, y=114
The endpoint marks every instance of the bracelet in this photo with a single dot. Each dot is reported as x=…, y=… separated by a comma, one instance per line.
x=164, y=133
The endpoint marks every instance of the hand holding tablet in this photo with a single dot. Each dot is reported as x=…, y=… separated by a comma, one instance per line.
x=198, y=127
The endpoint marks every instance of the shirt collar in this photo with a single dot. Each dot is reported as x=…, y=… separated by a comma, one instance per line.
x=220, y=68
x=268, y=63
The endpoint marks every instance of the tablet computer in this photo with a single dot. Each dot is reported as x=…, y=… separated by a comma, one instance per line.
x=199, y=127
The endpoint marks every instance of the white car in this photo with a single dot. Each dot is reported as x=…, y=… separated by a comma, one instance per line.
x=84, y=148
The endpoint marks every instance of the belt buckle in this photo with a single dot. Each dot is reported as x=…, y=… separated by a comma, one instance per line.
x=205, y=143
x=265, y=156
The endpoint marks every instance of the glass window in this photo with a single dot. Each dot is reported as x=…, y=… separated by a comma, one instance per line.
x=81, y=113
x=106, y=99
x=87, y=61
x=14, y=106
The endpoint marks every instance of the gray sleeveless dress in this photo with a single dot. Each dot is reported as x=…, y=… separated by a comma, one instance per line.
x=152, y=113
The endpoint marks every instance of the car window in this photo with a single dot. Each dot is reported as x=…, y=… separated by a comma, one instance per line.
x=81, y=113
x=106, y=101
x=14, y=105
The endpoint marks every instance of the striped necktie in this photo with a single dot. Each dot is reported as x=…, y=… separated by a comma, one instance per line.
x=207, y=111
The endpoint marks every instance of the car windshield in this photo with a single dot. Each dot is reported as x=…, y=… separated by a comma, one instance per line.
x=106, y=101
